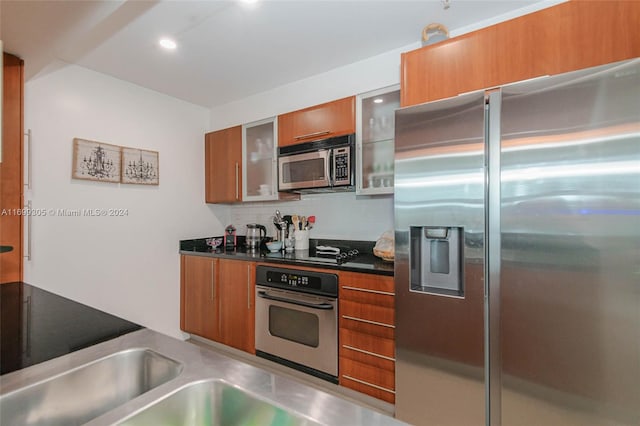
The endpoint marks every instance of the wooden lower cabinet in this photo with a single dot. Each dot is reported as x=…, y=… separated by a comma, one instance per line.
x=367, y=334
x=217, y=300
x=11, y=189
x=198, y=298
x=237, y=304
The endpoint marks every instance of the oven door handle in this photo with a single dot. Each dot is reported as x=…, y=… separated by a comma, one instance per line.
x=325, y=306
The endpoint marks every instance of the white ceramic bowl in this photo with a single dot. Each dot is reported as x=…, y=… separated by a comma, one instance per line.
x=274, y=246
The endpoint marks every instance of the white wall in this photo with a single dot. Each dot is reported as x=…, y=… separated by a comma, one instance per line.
x=128, y=266
x=339, y=216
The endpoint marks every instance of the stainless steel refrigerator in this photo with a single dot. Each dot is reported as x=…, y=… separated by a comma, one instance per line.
x=517, y=224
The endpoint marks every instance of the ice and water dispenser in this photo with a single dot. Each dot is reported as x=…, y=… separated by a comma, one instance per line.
x=437, y=258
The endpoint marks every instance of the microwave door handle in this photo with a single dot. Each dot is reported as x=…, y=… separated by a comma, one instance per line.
x=329, y=167
x=325, y=306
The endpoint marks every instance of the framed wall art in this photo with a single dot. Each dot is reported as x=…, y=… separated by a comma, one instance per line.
x=96, y=161
x=140, y=166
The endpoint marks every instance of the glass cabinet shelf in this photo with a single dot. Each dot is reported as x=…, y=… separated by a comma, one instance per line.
x=375, y=129
x=259, y=154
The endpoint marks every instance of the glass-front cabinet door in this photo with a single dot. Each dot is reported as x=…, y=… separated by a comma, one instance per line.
x=259, y=155
x=375, y=115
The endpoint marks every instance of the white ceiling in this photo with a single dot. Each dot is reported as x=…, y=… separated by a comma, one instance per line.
x=227, y=50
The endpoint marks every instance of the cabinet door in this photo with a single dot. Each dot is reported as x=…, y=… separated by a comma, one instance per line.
x=198, y=298
x=260, y=167
x=375, y=128
x=237, y=309
x=11, y=168
x=223, y=165
x=551, y=41
x=317, y=122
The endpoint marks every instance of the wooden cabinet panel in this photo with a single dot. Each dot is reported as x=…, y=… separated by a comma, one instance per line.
x=198, y=298
x=378, y=314
x=367, y=334
x=374, y=381
x=368, y=343
x=223, y=165
x=237, y=308
x=317, y=122
x=368, y=281
x=562, y=38
x=11, y=226
x=356, y=354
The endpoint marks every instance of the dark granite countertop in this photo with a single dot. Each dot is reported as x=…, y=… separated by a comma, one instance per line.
x=37, y=325
x=365, y=262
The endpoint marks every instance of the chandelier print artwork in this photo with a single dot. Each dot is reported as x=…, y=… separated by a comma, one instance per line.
x=139, y=166
x=104, y=162
x=96, y=161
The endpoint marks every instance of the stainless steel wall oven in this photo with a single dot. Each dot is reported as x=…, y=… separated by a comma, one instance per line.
x=297, y=319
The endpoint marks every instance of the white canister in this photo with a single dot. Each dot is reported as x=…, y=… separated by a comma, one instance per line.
x=301, y=238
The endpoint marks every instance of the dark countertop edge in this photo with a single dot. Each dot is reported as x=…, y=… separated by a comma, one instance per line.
x=374, y=265
x=260, y=259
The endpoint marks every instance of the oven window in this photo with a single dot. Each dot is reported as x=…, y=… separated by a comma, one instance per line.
x=297, y=326
x=303, y=170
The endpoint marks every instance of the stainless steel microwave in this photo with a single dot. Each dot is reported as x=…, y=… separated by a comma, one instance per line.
x=326, y=164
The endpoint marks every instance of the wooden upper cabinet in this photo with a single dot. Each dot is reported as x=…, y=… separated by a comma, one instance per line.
x=223, y=165
x=566, y=37
x=317, y=122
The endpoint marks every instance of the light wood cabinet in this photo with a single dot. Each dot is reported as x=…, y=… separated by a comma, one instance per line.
x=217, y=300
x=562, y=38
x=223, y=165
x=11, y=172
x=198, y=296
x=367, y=334
x=330, y=119
x=237, y=304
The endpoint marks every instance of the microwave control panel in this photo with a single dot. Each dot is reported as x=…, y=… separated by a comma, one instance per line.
x=342, y=166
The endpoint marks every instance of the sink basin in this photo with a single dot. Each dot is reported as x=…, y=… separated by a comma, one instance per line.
x=81, y=394
x=214, y=402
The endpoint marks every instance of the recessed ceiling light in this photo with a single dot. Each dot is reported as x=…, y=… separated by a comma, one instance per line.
x=378, y=100
x=167, y=43
x=249, y=1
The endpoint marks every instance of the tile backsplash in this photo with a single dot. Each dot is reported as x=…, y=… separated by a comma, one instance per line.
x=342, y=216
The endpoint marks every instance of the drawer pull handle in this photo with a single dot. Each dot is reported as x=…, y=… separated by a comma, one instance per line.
x=368, y=321
x=366, y=290
x=368, y=384
x=310, y=135
x=388, y=358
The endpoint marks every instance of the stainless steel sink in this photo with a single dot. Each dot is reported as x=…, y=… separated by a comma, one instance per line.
x=83, y=393
x=214, y=402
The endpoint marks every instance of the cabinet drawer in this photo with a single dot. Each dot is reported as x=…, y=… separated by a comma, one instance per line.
x=374, y=345
x=367, y=327
x=367, y=296
x=355, y=354
x=378, y=283
x=364, y=378
x=379, y=315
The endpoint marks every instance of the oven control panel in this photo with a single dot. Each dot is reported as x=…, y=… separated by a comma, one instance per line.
x=303, y=281
x=294, y=279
